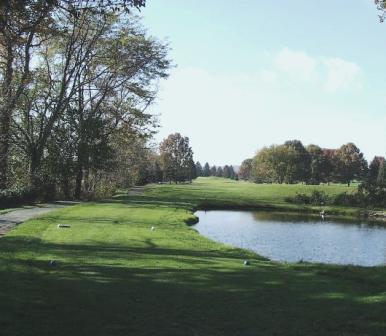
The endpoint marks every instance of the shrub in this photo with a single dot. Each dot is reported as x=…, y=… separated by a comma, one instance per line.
x=17, y=197
x=315, y=198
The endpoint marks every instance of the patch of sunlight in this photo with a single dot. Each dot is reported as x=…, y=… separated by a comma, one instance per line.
x=331, y=295
x=373, y=298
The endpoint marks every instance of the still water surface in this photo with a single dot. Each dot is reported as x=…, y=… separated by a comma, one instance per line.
x=287, y=237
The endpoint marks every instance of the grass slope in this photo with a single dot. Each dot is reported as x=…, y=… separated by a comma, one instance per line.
x=117, y=277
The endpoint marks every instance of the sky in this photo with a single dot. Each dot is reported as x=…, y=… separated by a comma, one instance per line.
x=252, y=73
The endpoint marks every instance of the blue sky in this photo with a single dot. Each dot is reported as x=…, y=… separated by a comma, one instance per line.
x=251, y=73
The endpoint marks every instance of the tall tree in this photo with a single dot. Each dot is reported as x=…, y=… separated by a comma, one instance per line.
x=24, y=26
x=374, y=168
x=298, y=162
x=220, y=172
x=206, y=170
x=319, y=168
x=232, y=174
x=245, y=171
x=226, y=172
x=176, y=158
x=199, y=170
x=213, y=170
x=21, y=25
x=351, y=163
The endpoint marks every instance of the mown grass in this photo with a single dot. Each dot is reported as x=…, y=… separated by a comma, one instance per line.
x=115, y=276
x=219, y=193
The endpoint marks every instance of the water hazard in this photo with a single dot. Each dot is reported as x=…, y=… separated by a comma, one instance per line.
x=292, y=238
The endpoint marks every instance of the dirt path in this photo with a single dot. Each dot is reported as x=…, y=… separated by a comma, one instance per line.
x=15, y=217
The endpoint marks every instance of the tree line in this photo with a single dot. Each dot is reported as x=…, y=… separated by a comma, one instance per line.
x=291, y=162
x=173, y=162
x=207, y=170
x=76, y=81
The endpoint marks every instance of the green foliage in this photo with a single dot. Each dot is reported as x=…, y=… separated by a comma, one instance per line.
x=220, y=172
x=213, y=171
x=82, y=108
x=350, y=163
x=177, y=158
x=292, y=163
x=315, y=198
x=206, y=170
x=199, y=169
x=17, y=197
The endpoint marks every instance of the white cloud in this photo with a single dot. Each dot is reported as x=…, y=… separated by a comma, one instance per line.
x=297, y=68
x=296, y=64
x=342, y=75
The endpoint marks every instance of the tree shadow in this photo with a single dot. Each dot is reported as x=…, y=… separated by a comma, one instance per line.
x=106, y=289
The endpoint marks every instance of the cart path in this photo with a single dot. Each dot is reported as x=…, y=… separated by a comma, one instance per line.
x=10, y=219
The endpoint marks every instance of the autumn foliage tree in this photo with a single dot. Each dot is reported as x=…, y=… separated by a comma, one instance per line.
x=176, y=158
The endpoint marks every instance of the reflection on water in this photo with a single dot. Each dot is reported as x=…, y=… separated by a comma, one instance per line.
x=289, y=237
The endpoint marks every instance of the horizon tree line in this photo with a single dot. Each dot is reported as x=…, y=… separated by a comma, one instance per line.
x=291, y=162
x=226, y=171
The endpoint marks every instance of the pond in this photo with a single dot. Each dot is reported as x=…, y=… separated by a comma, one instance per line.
x=294, y=238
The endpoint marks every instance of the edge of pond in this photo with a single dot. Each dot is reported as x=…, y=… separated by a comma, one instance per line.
x=342, y=213
x=193, y=219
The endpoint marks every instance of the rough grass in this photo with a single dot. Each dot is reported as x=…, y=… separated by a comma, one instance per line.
x=115, y=276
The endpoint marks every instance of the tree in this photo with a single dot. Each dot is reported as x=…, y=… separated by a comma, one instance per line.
x=220, y=172
x=199, y=170
x=375, y=168
x=381, y=178
x=226, y=172
x=319, y=166
x=206, y=170
x=263, y=166
x=381, y=6
x=213, y=171
x=20, y=28
x=245, y=171
x=331, y=165
x=297, y=161
x=232, y=174
x=350, y=163
x=96, y=83
x=176, y=158
x=24, y=26
x=193, y=171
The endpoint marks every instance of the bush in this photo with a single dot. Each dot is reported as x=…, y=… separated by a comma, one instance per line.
x=315, y=198
x=17, y=197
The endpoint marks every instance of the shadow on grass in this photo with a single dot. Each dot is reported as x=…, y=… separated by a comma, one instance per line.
x=147, y=290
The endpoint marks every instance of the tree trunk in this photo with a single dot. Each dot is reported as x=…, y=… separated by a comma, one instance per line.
x=5, y=121
x=78, y=182
x=66, y=187
x=5, y=113
x=34, y=165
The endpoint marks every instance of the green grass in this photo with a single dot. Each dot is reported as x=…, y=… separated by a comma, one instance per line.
x=114, y=276
x=222, y=193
